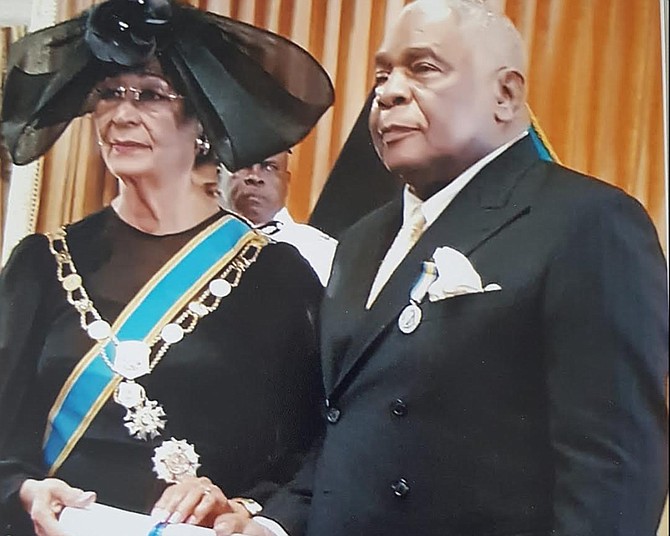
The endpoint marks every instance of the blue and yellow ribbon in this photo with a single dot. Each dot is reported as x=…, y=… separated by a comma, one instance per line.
x=91, y=382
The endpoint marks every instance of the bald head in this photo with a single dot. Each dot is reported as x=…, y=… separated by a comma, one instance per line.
x=450, y=89
x=488, y=31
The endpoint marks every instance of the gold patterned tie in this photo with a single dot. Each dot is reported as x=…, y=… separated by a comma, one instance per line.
x=408, y=235
x=417, y=223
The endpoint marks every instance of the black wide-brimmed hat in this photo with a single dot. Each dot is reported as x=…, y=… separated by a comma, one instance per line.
x=255, y=92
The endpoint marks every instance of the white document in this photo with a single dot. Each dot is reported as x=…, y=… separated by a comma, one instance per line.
x=101, y=520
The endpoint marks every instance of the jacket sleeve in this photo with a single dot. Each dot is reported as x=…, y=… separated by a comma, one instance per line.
x=295, y=292
x=21, y=337
x=290, y=505
x=606, y=336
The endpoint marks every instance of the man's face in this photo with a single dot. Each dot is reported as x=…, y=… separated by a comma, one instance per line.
x=259, y=192
x=434, y=103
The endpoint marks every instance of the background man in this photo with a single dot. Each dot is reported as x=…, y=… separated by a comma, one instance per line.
x=513, y=384
x=259, y=193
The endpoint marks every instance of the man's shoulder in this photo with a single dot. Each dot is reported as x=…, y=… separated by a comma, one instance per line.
x=313, y=233
x=577, y=189
x=291, y=231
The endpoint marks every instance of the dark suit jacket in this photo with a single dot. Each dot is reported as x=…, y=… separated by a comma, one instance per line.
x=534, y=410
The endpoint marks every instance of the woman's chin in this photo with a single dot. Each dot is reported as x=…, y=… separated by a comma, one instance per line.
x=128, y=167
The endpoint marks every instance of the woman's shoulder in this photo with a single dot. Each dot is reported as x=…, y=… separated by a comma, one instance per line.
x=91, y=224
x=30, y=248
x=29, y=261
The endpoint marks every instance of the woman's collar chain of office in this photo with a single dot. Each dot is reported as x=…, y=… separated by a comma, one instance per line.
x=144, y=418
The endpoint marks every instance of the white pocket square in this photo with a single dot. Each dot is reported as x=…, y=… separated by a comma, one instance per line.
x=455, y=276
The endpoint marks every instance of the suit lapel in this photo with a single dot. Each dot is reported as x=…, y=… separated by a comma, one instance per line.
x=493, y=199
x=349, y=290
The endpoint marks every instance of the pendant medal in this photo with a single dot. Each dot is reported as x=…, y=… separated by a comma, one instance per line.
x=129, y=394
x=131, y=359
x=409, y=318
x=175, y=459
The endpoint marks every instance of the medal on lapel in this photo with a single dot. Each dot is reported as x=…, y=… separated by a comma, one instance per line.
x=410, y=316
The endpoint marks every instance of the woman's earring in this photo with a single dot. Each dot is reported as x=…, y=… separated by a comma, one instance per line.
x=202, y=145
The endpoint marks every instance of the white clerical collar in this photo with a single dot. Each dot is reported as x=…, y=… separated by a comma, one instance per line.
x=284, y=216
x=435, y=205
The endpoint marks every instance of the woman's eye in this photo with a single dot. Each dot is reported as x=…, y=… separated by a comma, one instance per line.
x=149, y=95
x=110, y=93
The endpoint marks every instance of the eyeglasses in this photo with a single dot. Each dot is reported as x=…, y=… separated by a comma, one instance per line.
x=147, y=98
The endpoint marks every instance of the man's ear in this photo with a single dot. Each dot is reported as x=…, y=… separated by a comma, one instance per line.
x=510, y=94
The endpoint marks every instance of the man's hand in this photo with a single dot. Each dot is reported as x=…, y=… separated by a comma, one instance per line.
x=194, y=500
x=239, y=521
x=45, y=499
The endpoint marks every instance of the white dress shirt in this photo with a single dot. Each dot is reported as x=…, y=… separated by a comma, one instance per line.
x=431, y=209
x=315, y=246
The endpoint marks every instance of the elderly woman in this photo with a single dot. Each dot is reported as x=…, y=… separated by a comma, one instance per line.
x=160, y=350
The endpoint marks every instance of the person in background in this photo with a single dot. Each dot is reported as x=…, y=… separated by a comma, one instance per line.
x=259, y=193
x=160, y=349
x=494, y=341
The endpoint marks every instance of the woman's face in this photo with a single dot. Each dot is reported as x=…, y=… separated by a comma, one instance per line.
x=142, y=127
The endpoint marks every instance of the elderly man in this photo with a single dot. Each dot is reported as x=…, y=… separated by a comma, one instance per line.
x=259, y=193
x=494, y=341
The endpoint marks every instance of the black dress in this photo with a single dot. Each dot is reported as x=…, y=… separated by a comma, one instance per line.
x=243, y=387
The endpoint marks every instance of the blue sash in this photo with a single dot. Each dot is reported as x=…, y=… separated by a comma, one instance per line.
x=176, y=284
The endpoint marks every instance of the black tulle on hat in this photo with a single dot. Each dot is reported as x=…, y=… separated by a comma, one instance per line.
x=255, y=92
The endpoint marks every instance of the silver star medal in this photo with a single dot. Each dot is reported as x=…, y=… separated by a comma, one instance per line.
x=145, y=420
x=175, y=459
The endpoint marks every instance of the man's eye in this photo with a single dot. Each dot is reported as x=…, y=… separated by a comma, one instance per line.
x=381, y=77
x=423, y=67
x=270, y=167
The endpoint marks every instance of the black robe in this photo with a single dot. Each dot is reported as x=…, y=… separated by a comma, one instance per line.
x=243, y=387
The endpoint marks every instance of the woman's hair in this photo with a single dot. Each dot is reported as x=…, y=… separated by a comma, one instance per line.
x=209, y=158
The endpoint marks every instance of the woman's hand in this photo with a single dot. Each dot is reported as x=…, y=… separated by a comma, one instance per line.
x=194, y=500
x=45, y=499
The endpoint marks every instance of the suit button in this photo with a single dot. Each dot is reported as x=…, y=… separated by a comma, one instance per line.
x=400, y=488
x=399, y=408
x=333, y=415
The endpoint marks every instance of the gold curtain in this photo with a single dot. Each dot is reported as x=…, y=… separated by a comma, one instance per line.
x=8, y=35
x=595, y=87
x=595, y=80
